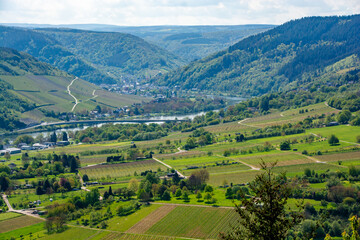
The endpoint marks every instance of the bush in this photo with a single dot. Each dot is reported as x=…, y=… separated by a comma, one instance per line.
x=285, y=145
x=333, y=140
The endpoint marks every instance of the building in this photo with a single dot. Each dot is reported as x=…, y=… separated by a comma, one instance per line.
x=38, y=146
x=13, y=150
x=26, y=147
x=62, y=143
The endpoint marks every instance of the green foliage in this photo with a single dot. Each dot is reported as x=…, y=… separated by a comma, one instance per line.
x=333, y=140
x=285, y=145
x=275, y=59
x=264, y=216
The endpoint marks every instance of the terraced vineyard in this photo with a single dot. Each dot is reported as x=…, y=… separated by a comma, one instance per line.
x=121, y=169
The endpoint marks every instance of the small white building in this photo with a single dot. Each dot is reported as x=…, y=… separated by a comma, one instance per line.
x=13, y=150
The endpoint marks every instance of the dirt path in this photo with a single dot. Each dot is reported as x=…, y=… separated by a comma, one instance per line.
x=27, y=212
x=170, y=167
x=68, y=90
x=246, y=164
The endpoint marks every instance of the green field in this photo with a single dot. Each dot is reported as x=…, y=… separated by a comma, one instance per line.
x=73, y=233
x=343, y=132
x=121, y=170
x=8, y=215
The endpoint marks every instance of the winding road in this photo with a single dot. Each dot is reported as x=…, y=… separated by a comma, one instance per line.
x=68, y=90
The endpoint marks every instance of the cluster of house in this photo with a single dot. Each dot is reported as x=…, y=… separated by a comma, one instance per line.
x=35, y=146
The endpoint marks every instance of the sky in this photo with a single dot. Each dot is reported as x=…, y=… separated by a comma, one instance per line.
x=170, y=12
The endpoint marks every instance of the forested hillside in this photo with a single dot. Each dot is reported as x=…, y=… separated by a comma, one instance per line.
x=118, y=52
x=188, y=42
x=283, y=58
x=95, y=57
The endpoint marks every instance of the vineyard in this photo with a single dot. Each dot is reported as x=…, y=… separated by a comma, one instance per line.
x=339, y=156
x=121, y=169
x=194, y=222
x=150, y=220
x=281, y=159
x=18, y=222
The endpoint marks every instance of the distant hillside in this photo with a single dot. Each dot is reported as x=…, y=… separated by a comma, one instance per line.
x=95, y=57
x=33, y=91
x=188, y=42
x=118, y=53
x=285, y=57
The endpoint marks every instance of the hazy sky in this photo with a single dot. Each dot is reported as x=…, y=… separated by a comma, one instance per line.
x=169, y=12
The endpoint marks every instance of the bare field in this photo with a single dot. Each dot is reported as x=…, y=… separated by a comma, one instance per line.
x=18, y=222
x=147, y=222
x=339, y=156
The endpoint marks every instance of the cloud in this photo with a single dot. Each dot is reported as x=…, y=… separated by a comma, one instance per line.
x=169, y=12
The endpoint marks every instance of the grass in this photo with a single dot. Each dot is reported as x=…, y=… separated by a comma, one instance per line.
x=25, y=230
x=18, y=222
x=29, y=195
x=121, y=169
x=9, y=215
x=73, y=233
x=297, y=170
x=343, y=132
x=124, y=223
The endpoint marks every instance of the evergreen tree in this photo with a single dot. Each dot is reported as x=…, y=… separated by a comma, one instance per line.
x=264, y=216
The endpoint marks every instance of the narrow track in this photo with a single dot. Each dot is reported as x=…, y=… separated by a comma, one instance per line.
x=68, y=90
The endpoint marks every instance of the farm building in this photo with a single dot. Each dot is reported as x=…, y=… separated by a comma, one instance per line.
x=13, y=150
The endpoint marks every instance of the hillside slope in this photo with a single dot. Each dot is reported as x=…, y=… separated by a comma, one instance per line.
x=279, y=59
x=118, y=53
x=188, y=42
x=95, y=57
x=31, y=91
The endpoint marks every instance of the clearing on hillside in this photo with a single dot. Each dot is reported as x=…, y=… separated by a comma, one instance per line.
x=18, y=222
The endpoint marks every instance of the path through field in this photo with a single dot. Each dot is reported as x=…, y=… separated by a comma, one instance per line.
x=170, y=167
x=27, y=212
x=68, y=90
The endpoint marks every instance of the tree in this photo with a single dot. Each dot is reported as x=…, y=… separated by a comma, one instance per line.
x=333, y=140
x=4, y=182
x=285, y=145
x=264, y=104
x=264, y=216
x=198, y=196
x=85, y=178
x=166, y=196
x=7, y=156
x=133, y=185
x=229, y=193
x=178, y=193
x=64, y=136
x=344, y=117
x=53, y=137
x=207, y=197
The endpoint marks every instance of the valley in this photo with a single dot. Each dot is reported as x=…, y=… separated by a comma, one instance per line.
x=107, y=136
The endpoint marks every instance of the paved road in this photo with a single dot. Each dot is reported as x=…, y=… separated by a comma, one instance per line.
x=68, y=90
x=27, y=212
